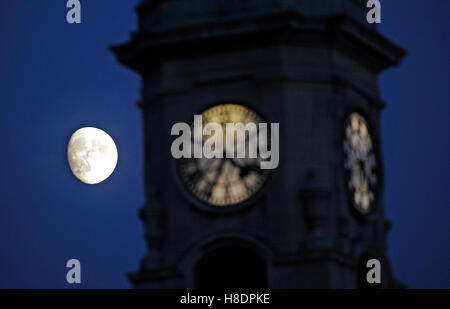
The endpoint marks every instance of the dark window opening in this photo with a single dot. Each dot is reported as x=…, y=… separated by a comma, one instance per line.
x=231, y=267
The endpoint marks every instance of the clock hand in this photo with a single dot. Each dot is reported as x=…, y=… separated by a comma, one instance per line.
x=247, y=162
x=234, y=163
x=216, y=177
x=245, y=169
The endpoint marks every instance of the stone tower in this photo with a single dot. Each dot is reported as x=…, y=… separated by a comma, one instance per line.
x=310, y=65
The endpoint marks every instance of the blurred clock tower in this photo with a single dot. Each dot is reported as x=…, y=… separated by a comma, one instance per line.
x=312, y=66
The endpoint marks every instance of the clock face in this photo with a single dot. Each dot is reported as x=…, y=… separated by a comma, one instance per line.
x=360, y=164
x=224, y=181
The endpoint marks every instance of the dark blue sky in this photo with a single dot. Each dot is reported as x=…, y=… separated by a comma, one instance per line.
x=56, y=77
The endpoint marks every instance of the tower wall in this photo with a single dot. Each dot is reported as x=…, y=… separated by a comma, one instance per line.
x=306, y=73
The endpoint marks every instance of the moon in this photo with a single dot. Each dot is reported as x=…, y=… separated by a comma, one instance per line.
x=92, y=155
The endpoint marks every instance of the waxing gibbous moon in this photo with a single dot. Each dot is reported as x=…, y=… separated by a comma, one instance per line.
x=92, y=155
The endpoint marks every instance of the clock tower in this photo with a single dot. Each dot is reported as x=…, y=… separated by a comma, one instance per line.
x=312, y=67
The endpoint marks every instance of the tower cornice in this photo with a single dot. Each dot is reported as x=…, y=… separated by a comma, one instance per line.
x=148, y=48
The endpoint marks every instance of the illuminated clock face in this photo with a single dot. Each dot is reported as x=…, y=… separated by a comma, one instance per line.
x=225, y=181
x=360, y=164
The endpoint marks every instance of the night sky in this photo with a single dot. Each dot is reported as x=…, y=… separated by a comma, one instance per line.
x=56, y=78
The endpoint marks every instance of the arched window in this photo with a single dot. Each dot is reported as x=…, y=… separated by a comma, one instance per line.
x=231, y=266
